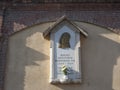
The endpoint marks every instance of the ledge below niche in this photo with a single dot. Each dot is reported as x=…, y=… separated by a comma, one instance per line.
x=69, y=81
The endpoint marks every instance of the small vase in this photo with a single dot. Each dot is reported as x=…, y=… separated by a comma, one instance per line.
x=64, y=79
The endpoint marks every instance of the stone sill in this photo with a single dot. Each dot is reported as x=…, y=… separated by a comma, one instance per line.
x=69, y=81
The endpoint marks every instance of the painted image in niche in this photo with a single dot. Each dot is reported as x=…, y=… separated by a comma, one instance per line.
x=64, y=41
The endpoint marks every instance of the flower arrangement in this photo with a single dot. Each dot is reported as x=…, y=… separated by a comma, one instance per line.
x=64, y=70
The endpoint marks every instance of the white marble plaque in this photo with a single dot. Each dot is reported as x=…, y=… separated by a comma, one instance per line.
x=68, y=56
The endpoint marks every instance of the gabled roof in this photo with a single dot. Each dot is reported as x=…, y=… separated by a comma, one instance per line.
x=60, y=20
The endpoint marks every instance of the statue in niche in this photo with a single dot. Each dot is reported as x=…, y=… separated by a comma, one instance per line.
x=64, y=41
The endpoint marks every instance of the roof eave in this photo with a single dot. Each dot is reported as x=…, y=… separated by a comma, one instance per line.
x=47, y=32
x=80, y=30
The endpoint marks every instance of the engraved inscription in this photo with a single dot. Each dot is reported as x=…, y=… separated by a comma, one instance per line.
x=67, y=60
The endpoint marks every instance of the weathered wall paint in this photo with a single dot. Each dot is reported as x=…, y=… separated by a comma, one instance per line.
x=28, y=60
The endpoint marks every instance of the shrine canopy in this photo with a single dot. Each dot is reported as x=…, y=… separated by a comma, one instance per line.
x=46, y=33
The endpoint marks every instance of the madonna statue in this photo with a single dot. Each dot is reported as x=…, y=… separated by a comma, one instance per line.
x=64, y=41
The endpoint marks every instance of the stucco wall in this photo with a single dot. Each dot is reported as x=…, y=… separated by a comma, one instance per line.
x=17, y=17
x=28, y=60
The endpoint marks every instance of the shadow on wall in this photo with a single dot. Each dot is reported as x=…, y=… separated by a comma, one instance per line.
x=28, y=61
x=100, y=60
x=27, y=50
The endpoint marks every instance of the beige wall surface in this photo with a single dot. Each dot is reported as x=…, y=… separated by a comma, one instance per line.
x=28, y=60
